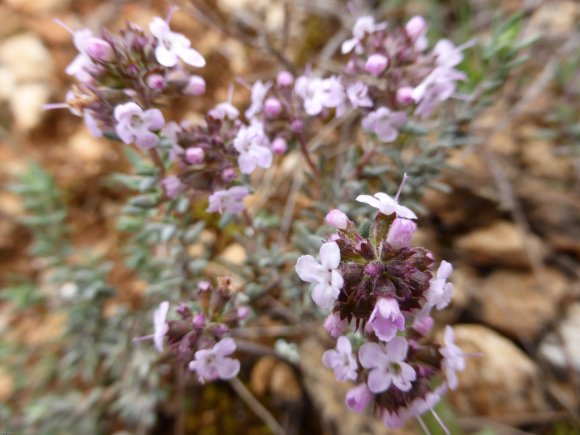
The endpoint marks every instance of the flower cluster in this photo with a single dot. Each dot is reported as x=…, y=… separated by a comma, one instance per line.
x=385, y=288
x=201, y=336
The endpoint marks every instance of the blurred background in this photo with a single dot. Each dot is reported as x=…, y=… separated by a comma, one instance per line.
x=510, y=223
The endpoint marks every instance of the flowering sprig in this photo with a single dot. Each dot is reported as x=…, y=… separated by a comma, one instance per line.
x=384, y=288
x=200, y=336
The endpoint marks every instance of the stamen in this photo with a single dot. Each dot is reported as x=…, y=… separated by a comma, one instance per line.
x=440, y=422
x=52, y=106
x=423, y=425
x=170, y=12
x=143, y=338
x=405, y=177
x=63, y=25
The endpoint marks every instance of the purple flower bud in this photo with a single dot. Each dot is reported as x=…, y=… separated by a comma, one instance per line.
x=358, y=398
x=279, y=146
x=337, y=219
x=220, y=330
x=183, y=310
x=204, y=286
x=100, y=50
x=405, y=95
x=198, y=321
x=284, y=79
x=195, y=86
x=156, y=81
x=272, y=107
x=376, y=64
x=242, y=312
x=416, y=27
x=228, y=174
x=335, y=325
x=195, y=155
x=297, y=126
x=401, y=233
x=423, y=326
x=373, y=269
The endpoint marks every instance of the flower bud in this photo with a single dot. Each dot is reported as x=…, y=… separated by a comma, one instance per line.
x=405, y=95
x=195, y=155
x=284, y=79
x=195, y=86
x=376, y=64
x=198, y=321
x=416, y=27
x=358, y=398
x=228, y=174
x=100, y=50
x=373, y=269
x=242, y=312
x=423, y=326
x=279, y=146
x=204, y=286
x=183, y=310
x=220, y=330
x=337, y=219
x=401, y=233
x=272, y=107
x=297, y=126
x=156, y=81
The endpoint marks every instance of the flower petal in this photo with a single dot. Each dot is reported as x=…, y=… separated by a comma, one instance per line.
x=379, y=380
x=191, y=57
x=308, y=269
x=371, y=355
x=225, y=347
x=228, y=368
x=397, y=349
x=165, y=56
x=329, y=255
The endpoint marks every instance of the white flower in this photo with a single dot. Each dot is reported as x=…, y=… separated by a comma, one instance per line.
x=211, y=364
x=453, y=358
x=252, y=144
x=364, y=26
x=387, y=205
x=160, y=326
x=173, y=46
x=439, y=292
x=259, y=91
x=325, y=274
x=341, y=360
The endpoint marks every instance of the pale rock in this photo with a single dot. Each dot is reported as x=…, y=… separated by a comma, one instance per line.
x=234, y=254
x=27, y=104
x=503, y=381
x=554, y=19
x=517, y=304
x=27, y=58
x=561, y=348
x=38, y=6
x=500, y=243
x=6, y=385
x=541, y=159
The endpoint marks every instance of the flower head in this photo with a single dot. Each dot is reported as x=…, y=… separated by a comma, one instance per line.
x=387, y=364
x=230, y=201
x=325, y=274
x=211, y=364
x=136, y=125
x=387, y=205
x=341, y=360
x=172, y=46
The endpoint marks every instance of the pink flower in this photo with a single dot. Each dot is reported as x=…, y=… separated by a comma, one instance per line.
x=440, y=291
x=99, y=50
x=173, y=46
x=325, y=274
x=225, y=111
x=335, y=325
x=384, y=123
x=272, y=107
x=230, y=201
x=358, y=95
x=358, y=398
x=252, y=144
x=453, y=358
x=259, y=91
x=279, y=145
x=364, y=26
x=341, y=360
x=387, y=205
x=337, y=219
x=386, y=319
x=136, y=125
x=387, y=364
x=405, y=95
x=319, y=93
x=211, y=364
x=401, y=233
x=82, y=63
x=284, y=79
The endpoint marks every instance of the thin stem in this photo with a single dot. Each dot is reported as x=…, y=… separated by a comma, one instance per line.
x=256, y=406
x=157, y=160
x=306, y=155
